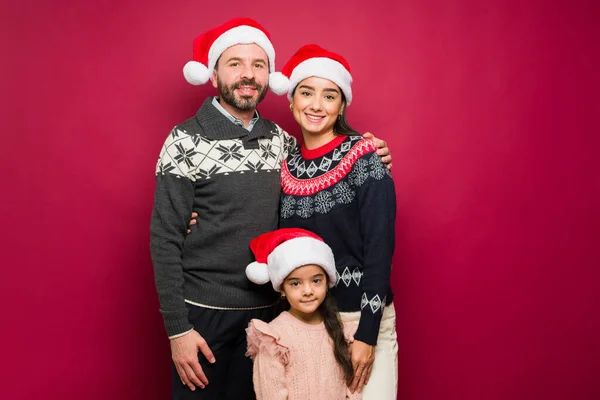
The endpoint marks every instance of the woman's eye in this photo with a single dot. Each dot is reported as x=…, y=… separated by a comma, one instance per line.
x=305, y=93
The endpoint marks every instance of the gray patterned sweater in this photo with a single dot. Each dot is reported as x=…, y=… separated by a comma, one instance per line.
x=343, y=193
x=231, y=178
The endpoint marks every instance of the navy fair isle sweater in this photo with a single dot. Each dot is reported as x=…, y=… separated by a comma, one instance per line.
x=345, y=194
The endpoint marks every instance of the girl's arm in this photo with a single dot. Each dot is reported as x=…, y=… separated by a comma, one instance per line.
x=269, y=377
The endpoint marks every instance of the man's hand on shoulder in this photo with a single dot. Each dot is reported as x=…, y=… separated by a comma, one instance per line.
x=382, y=150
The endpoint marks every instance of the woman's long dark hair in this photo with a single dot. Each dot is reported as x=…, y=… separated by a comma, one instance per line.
x=341, y=126
x=329, y=312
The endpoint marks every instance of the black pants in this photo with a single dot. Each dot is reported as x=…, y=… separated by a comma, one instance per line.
x=230, y=377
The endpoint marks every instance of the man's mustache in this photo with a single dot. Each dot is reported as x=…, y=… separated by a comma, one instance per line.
x=247, y=82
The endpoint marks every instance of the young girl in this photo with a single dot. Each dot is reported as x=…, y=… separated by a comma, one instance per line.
x=303, y=353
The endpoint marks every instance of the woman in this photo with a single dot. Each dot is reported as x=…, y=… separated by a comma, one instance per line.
x=336, y=186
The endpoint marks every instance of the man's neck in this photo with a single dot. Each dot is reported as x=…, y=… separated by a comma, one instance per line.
x=243, y=115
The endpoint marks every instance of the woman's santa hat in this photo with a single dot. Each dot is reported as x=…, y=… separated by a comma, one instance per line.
x=313, y=60
x=209, y=46
x=280, y=252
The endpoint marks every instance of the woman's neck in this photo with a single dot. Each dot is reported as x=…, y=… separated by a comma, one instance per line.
x=316, y=140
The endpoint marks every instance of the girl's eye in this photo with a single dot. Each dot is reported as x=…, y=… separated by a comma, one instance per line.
x=306, y=94
x=329, y=97
x=295, y=283
x=317, y=280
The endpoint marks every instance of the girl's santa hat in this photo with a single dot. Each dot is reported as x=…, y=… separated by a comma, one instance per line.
x=280, y=252
x=313, y=60
x=209, y=46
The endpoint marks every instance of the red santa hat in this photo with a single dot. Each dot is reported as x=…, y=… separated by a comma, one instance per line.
x=313, y=60
x=280, y=252
x=209, y=46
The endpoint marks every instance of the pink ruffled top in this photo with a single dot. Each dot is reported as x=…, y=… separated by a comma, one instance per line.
x=294, y=360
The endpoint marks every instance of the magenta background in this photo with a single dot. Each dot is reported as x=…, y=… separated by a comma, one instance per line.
x=490, y=110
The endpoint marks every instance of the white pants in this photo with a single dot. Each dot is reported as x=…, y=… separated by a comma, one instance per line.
x=383, y=383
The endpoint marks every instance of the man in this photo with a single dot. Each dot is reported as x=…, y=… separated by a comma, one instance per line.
x=223, y=164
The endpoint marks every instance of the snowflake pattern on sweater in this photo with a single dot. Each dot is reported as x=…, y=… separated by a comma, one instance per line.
x=196, y=157
x=345, y=194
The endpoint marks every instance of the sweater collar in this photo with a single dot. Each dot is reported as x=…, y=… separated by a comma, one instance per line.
x=322, y=150
x=217, y=126
x=301, y=324
x=235, y=120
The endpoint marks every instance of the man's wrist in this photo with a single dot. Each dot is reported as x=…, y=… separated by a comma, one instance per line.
x=180, y=334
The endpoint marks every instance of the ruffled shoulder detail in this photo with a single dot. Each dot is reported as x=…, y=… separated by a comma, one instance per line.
x=263, y=338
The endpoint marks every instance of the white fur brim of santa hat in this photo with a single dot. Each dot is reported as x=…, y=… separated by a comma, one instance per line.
x=285, y=250
x=313, y=60
x=209, y=46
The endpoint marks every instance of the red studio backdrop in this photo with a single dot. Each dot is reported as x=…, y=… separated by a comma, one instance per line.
x=490, y=111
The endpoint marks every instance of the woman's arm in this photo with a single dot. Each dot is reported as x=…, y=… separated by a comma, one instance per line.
x=377, y=203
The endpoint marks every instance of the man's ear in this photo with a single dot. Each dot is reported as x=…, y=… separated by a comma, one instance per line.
x=213, y=78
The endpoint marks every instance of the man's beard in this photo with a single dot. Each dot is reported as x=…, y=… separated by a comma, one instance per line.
x=243, y=103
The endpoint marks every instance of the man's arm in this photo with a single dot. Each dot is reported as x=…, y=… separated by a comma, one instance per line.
x=173, y=202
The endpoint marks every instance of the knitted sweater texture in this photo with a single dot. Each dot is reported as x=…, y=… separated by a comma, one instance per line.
x=231, y=178
x=345, y=194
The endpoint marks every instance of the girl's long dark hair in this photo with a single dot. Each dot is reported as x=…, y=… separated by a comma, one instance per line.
x=329, y=312
x=332, y=322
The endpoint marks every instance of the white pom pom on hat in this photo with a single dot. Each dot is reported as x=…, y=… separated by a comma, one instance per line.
x=258, y=273
x=195, y=73
x=281, y=251
x=278, y=83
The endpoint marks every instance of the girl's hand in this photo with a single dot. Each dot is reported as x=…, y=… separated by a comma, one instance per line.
x=363, y=356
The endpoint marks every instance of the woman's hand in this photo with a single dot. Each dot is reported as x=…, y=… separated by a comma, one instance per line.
x=192, y=222
x=363, y=356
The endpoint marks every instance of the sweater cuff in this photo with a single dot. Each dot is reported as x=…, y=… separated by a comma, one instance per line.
x=176, y=323
x=370, y=319
x=180, y=335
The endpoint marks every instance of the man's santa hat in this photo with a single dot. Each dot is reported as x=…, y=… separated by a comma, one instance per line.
x=280, y=252
x=313, y=60
x=209, y=46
